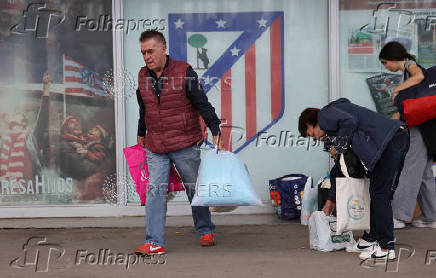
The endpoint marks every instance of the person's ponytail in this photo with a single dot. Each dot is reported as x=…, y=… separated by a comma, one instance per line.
x=395, y=51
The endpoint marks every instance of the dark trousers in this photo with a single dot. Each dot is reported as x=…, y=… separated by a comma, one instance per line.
x=383, y=182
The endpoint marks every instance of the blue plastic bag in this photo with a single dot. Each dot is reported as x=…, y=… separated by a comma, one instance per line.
x=290, y=188
x=223, y=180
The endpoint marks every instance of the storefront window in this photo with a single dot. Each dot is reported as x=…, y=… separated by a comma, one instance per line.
x=256, y=60
x=57, y=137
x=365, y=26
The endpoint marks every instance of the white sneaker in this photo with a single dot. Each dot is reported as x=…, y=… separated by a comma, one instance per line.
x=377, y=253
x=360, y=246
x=421, y=224
x=398, y=224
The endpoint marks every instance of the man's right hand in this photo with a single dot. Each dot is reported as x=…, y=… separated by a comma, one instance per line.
x=217, y=142
x=141, y=141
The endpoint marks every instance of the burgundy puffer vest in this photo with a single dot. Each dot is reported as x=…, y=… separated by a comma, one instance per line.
x=174, y=123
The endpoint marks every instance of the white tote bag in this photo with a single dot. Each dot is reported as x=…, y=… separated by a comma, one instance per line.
x=322, y=233
x=352, y=204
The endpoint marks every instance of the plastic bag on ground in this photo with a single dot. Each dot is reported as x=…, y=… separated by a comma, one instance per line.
x=322, y=233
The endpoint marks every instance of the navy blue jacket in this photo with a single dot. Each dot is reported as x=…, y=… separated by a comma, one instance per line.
x=366, y=131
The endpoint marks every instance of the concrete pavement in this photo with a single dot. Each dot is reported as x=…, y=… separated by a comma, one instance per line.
x=244, y=249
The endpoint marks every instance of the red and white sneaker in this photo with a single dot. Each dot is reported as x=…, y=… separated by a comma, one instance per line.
x=207, y=240
x=149, y=249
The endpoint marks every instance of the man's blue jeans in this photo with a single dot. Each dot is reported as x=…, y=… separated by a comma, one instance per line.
x=187, y=161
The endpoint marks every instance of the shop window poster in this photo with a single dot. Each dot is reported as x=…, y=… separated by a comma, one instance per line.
x=57, y=134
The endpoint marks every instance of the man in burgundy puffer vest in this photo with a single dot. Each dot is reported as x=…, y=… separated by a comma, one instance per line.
x=171, y=102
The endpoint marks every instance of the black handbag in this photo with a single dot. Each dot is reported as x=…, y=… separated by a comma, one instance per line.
x=351, y=164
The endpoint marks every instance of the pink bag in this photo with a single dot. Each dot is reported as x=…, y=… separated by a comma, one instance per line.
x=137, y=160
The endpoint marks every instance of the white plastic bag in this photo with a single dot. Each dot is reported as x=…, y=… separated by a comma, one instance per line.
x=223, y=181
x=322, y=235
x=310, y=201
x=352, y=204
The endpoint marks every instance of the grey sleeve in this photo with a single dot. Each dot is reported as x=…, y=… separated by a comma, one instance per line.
x=406, y=69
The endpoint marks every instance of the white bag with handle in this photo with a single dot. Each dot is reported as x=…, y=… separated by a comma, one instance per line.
x=352, y=204
x=223, y=180
x=322, y=236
